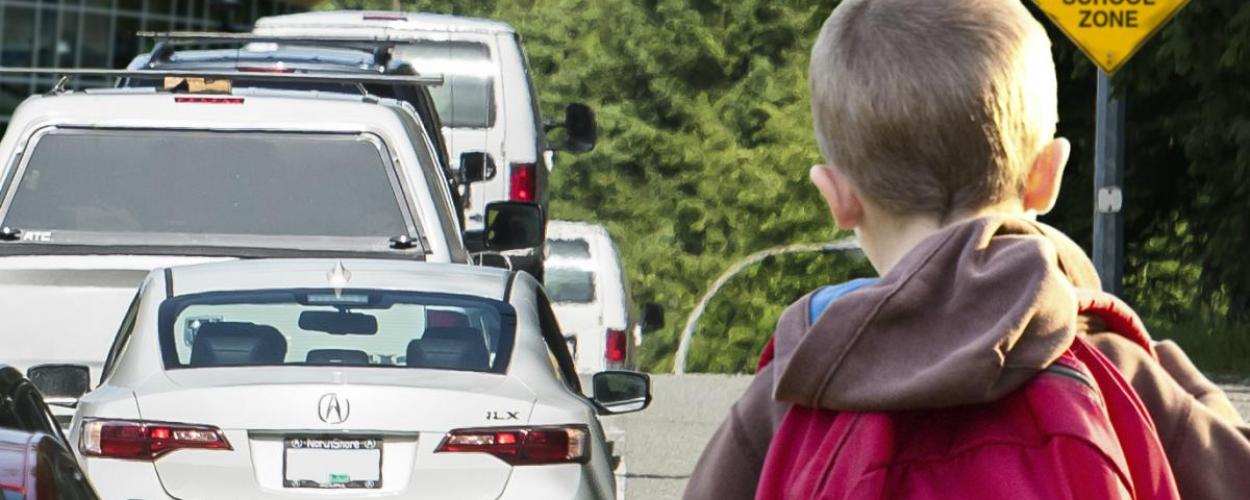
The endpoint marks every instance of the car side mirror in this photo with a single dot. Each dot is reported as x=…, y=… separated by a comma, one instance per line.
x=579, y=122
x=60, y=384
x=620, y=391
x=510, y=225
x=476, y=166
x=652, y=317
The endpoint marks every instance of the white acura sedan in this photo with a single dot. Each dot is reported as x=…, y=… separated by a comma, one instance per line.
x=346, y=379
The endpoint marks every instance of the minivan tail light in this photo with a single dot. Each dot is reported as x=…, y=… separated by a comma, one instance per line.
x=140, y=440
x=522, y=445
x=522, y=185
x=615, y=346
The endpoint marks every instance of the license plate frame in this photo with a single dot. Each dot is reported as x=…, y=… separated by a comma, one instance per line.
x=314, y=451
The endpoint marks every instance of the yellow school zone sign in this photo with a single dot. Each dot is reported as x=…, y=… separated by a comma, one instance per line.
x=1110, y=31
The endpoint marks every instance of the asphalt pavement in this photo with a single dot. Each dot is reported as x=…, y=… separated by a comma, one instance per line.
x=660, y=445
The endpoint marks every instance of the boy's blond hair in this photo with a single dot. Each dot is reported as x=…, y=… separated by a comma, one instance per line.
x=933, y=106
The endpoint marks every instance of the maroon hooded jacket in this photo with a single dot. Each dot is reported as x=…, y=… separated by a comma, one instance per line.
x=987, y=305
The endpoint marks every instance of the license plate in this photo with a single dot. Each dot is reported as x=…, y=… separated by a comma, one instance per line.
x=332, y=462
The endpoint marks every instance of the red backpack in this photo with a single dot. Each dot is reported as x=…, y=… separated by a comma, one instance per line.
x=1076, y=431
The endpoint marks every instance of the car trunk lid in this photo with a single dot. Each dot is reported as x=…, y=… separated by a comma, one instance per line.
x=271, y=415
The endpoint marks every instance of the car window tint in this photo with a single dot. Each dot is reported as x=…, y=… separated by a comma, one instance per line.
x=570, y=286
x=573, y=249
x=326, y=327
x=178, y=182
x=466, y=99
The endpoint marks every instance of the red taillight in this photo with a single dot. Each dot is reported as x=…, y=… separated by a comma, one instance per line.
x=616, y=346
x=522, y=185
x=209, y=100
x=138, y=440
x=522, y=445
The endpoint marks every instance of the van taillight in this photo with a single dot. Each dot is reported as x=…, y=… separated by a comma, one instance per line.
x=522, y=445
x=209, y=100
x=616, y=345
x=522, y=183
x=140, y=440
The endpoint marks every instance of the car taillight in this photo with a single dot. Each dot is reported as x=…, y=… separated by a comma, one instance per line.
x=522, y=184
x=139, y=440
x=522, y=445
x=209, y=100
x=615, y=346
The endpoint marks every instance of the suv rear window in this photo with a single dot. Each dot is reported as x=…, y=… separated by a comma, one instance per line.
x=466, y=99
x=207, y=183
x=313, y=327
x=569, y=286
x=575, y=249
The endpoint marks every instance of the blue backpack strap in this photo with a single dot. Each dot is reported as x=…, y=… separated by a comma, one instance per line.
x=826, y=295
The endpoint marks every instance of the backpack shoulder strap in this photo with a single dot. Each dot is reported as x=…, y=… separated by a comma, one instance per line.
x=1117, y=315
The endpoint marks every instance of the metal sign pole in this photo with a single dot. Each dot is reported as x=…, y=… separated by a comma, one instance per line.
x=1108, y=187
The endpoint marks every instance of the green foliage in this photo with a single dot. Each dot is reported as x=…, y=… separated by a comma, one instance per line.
x=706, y=139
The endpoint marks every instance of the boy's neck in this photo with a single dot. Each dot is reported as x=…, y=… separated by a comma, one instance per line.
x=886, y=238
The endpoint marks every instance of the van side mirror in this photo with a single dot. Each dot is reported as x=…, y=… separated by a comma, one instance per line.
x=476, y=166
x=510, y=225
x=620, y=391
x=60, y=384
x=579, y=122
x=652, y=317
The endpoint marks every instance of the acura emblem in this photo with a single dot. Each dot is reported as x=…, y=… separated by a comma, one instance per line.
x=331, y=410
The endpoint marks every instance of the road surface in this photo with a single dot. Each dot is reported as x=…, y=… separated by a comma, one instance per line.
x=662, y=443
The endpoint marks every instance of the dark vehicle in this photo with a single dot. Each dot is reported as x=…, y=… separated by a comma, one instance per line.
x=35, y=459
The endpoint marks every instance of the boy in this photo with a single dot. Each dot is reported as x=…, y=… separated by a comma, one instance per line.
x=936, y=119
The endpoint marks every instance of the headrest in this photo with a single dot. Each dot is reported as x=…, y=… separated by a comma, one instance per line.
x=459, y=353
x=337, y=357
x=437, y=318
x=451, y=333
x=237, y=343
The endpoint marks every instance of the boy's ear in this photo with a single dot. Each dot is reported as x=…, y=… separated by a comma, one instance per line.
x=840, y=194
x=1041, y=187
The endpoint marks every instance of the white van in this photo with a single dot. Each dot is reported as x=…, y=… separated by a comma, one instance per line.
x=487, y=103
x=591, y=298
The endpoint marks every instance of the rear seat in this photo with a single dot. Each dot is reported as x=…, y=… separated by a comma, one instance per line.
x=237, y=343
x=449, y=348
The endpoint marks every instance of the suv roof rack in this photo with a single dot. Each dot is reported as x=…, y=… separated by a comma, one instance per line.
x=191, y=37
x=350, y=79
x=380, y=46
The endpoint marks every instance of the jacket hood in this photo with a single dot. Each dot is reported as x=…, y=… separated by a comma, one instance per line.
x=967, y=316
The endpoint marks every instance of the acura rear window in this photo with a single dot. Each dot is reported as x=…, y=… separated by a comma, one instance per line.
x=312, y=327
